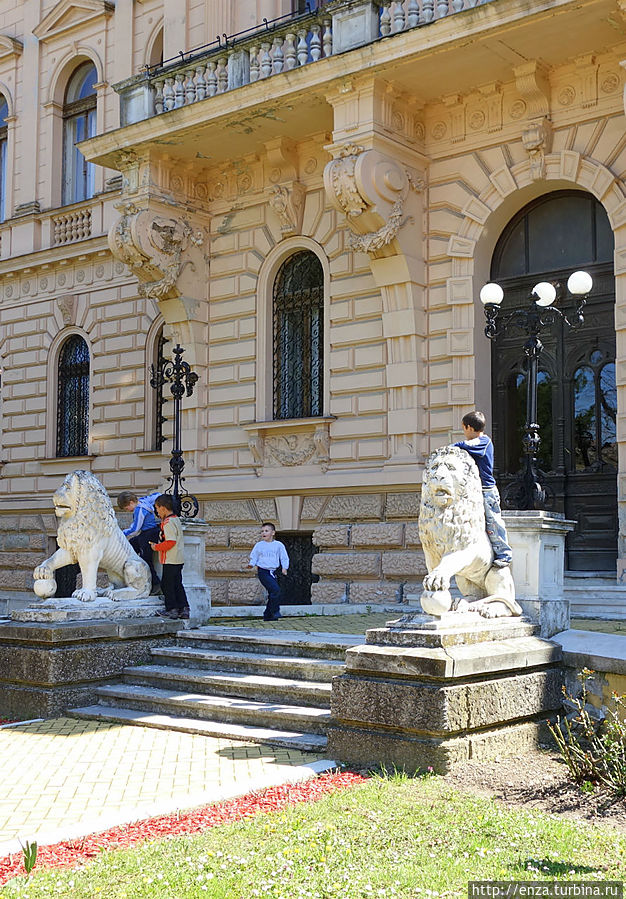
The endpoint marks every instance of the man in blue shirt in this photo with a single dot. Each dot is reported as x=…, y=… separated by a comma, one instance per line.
x=480, y=448
x=144, y=528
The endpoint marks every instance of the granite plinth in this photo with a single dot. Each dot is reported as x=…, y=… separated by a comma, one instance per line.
x=451, y=629
x=69, y=609
x=428, y=696
x=49, y=667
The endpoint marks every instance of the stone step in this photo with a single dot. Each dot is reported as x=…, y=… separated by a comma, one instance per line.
x=216, y=708
x=332, y=609
x=250, y=662
x=305, y=742
x=210, y=682
x=285, y=642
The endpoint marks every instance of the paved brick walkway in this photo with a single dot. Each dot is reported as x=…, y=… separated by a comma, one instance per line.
x=327, y=624
x=64, y=778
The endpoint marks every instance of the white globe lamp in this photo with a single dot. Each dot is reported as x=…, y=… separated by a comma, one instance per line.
x=545, y=293
x=579, y=283
x=491, y=295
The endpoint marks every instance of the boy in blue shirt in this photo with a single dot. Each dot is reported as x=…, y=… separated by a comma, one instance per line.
x=268, y=555
x=144, y=528
x=480, y=448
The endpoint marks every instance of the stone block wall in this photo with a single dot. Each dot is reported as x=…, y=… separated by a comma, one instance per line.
x=23, y=545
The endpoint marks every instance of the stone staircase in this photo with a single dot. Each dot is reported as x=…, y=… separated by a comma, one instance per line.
x=593, y=595
x=235, y=683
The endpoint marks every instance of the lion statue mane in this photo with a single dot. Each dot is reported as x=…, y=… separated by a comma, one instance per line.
x=88, y=535
x=454, y=539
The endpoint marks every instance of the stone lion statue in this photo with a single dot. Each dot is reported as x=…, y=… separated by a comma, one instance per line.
x=88, y=535
x=455, y=542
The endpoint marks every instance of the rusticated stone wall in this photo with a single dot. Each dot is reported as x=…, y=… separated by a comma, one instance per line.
x=23, y=544
x=369, y=550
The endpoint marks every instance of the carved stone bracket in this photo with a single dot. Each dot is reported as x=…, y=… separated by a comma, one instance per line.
x=155, y=247
x=287, y=202
x=370, y=189
x=300, y=441
x=537, y=140
x=67, y=308
x=533, y=85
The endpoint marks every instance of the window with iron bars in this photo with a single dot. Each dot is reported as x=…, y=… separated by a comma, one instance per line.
x=159, y=400
x=73, y=398
x=298, y=325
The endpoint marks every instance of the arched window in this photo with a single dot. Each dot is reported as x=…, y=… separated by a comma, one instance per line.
x=73, y=398
x=79, y=123
x=155, y=57
x=158, y=438
x=298, y=324
x=4, y=111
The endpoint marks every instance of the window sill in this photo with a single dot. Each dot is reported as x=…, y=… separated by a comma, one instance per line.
x=289, y=442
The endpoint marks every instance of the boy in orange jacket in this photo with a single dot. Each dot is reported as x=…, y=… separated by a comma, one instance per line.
x=170, y=549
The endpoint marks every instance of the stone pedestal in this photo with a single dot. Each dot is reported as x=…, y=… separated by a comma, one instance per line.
x=49, y=667
x=444, y=691
x=538, y=543
x=197, y=590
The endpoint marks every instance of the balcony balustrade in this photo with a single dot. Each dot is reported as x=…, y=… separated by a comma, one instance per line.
x=276, y=47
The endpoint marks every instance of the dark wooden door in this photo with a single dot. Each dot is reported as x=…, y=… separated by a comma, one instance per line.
x=296, y=586
x=577, y=406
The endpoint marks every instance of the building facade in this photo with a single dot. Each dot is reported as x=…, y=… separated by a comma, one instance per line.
x=309, y=205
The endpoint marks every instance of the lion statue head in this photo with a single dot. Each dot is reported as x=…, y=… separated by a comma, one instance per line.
x=451, y=508
x=84, y=510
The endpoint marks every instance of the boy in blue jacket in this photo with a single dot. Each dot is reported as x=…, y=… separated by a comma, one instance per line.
x=480, y=448
x=143, y=529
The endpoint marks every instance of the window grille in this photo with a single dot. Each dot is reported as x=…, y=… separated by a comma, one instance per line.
x=159, y=399
x=73, y=398
x=298, y=322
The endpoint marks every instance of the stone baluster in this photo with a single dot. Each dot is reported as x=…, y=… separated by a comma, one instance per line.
x=158, y=96
x=385, y=18
x=211, y=80
x=327, y=39
x=398, y=16
x=179, y=90
x=73, y=227
x=413, y=13
x=169, y=97
x=278, y=59
x=190, y=87
x=457, y=5
x=265, y=60
x=222, y=75
x=427, y=10
x=442, y=9
x=303, y=50
x=291, y=60
x=316, y=43
x=200, y=83
x=254, y=63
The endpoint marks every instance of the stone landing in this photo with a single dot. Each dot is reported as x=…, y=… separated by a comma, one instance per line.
x=48, y=667
x=436, y=692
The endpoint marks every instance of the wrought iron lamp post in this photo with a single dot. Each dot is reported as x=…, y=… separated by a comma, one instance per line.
x=182, y=381
x=527, y=490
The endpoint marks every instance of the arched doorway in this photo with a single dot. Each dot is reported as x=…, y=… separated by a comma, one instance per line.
x=550, y=238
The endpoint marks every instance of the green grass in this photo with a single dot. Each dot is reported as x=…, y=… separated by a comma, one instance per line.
x=392, y=837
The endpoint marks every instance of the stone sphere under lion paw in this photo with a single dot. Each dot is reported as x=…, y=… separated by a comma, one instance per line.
x=44, y=589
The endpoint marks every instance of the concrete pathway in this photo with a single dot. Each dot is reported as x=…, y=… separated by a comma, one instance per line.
x=64, y=778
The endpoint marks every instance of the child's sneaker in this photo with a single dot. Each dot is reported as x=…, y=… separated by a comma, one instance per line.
x=184, y=613
x=501, y=563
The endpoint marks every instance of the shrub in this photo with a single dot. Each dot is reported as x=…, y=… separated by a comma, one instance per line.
x=593, y=748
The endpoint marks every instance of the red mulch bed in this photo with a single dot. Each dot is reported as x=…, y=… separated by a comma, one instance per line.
x=76, y=852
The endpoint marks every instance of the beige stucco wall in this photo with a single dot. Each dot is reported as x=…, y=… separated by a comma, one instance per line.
x=405, y=355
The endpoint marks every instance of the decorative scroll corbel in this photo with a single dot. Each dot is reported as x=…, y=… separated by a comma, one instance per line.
x=154, y=247
x=537, y=140
x=370, y=189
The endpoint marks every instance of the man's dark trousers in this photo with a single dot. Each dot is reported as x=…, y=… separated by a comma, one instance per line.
x=268, y=580
x=141, y=545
